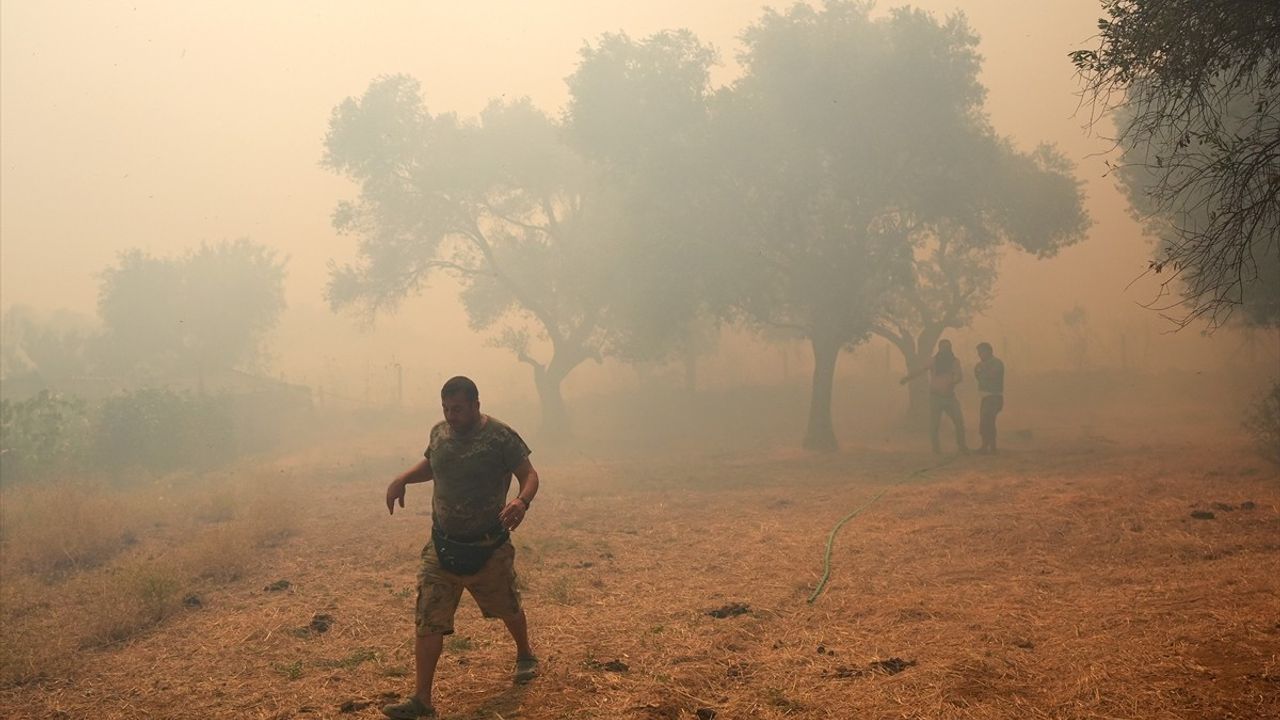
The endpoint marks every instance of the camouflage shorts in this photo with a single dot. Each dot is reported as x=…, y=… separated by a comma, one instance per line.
x=494, y=589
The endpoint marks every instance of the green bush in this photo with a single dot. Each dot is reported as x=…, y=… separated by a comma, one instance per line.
x=44, y=435
x=1263, y=423
x=160, y=430
x=153, y=429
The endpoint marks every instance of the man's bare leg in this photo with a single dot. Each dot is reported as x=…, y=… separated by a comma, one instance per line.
x=526, y=661
x=426, y=655
x=518, y=626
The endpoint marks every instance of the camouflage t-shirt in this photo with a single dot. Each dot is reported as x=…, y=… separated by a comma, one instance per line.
x=472, y=475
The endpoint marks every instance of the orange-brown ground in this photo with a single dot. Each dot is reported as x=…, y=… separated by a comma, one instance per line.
x=1050, y=582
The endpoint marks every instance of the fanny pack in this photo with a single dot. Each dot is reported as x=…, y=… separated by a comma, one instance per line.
x=465, y=558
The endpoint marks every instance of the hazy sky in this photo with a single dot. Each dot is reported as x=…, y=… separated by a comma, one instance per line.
x=162, y=124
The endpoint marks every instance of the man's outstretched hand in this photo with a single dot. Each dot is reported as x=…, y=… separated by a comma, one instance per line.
x=395, y=491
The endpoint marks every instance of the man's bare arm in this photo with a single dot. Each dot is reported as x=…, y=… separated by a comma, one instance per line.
x=417, y=474
x=917, y=373
x=527, y=477
x=513, y=514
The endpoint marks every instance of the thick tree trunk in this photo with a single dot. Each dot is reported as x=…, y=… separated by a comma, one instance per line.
x=820, y=435
x=917, y=395
x=555, y=416
x=916, y=353
x=917, y=388
x=548, y=379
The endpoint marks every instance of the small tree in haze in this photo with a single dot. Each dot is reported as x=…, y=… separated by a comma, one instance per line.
x=1028, y=201
x=1077, y=336
x=46, y=435
x=851, y=144
x=41, y=350
x=181, y=316
x=500, y=203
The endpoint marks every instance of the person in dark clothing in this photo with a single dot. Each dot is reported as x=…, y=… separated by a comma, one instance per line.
x=944, y=374
x=470, y=460
x=989, y=373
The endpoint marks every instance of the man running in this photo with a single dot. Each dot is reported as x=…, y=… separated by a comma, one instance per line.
x=990, y=375
x=471, y=458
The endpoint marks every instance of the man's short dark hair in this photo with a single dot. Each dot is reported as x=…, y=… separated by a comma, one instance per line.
x=460, y=384
x=984, y=346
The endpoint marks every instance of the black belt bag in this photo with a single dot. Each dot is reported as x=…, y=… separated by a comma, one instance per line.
x=466, y=558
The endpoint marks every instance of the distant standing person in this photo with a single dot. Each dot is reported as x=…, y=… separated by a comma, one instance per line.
x=471, y=457
x=989, y=373
x=944, y=375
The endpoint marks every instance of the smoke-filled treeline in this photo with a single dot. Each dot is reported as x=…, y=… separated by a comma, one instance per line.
x=848, y=184
x=845, y=188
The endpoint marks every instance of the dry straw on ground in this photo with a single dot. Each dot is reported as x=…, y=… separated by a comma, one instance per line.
x=1045, y=583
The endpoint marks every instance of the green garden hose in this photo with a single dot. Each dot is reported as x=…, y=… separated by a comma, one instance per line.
x=831, y=538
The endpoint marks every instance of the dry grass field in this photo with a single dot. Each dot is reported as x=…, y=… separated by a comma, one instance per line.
x=1062, y=579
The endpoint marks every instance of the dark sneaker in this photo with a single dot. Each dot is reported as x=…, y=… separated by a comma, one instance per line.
x=526, y=670
x=410, y=709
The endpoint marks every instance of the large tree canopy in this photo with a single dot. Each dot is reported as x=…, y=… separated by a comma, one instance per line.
x=1197, y=83
x=500, y=202
x=1255, y=289
x=639, y=115
x=850, y=143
